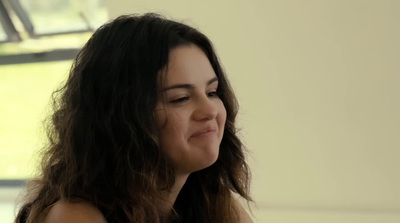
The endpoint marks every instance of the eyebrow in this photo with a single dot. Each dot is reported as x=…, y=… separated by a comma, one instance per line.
x=188, y=86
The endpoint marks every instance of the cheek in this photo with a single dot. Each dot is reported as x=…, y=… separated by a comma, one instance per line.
x=221, y=120
x=222, y=115
x=163, y=126
x=171, y=129
x=160, y=117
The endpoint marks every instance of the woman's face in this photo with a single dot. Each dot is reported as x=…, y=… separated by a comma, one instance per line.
x=192, y=116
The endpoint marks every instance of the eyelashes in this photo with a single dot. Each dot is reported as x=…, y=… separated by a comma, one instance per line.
x=179, y=100
x=212, y=94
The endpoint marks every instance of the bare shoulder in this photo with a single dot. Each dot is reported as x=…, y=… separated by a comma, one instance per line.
x=244, y=217
x=74, y=212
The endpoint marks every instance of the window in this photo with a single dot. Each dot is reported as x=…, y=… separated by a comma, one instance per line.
x=3, y=36
x=25, y=91
x=32, y=66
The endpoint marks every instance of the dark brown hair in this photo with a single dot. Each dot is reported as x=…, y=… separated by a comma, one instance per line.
x=103, y=141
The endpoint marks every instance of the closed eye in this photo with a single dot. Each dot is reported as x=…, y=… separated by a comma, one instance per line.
x=213, y=94
x=180, y=100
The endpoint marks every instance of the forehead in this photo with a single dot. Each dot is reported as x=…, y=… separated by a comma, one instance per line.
x=188, y=64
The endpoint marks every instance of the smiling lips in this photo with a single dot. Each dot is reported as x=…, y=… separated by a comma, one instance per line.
x=205, y=132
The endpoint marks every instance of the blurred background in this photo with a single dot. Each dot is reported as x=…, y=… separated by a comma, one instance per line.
x=318, y=82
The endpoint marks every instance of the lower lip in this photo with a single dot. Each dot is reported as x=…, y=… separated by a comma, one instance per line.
x=205, y=134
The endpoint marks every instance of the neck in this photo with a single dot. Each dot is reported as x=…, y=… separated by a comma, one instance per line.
x=180, y=180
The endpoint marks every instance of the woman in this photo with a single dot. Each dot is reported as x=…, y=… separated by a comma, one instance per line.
x=143, y=131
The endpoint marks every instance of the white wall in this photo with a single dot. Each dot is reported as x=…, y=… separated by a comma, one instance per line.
x=319, y=84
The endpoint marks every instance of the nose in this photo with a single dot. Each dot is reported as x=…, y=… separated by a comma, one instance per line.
x=205, y=109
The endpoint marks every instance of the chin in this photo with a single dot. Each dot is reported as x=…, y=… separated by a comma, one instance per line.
x=211, y=159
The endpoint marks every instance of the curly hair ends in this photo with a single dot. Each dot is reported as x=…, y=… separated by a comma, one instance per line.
x=103, y=145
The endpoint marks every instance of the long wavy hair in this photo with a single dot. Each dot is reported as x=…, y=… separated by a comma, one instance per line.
x=103, y=145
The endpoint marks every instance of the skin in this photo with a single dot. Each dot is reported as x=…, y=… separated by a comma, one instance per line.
x=68, y=212
x=191, y=118
x=192, y=133
x=190, y=114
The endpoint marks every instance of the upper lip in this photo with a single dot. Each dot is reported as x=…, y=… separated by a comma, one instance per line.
x=204, y=130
